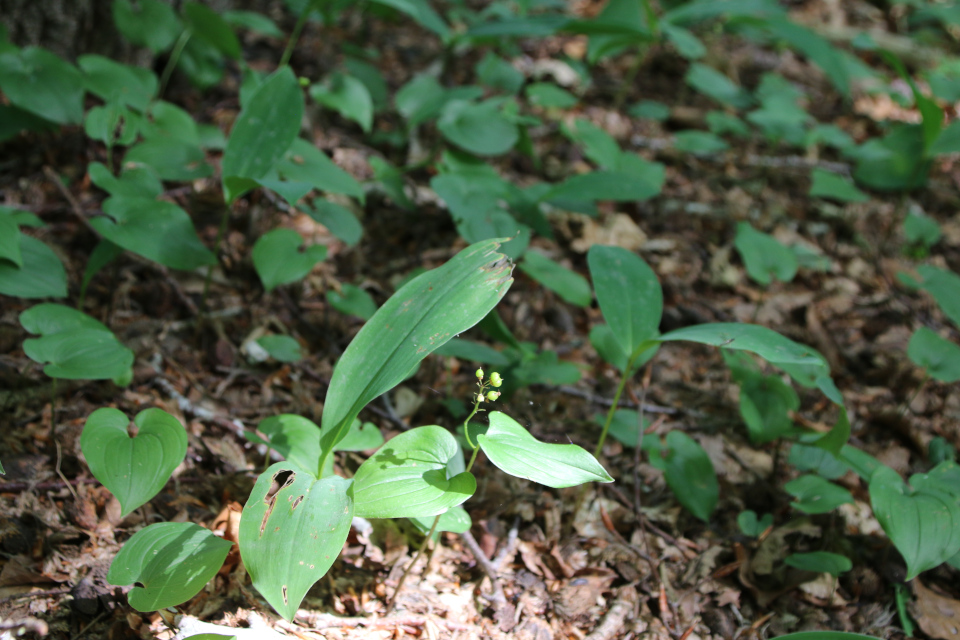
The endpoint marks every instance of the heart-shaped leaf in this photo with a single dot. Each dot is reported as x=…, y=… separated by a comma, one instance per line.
x=817, y=495
x=479, y=128
x=764, y=256
x=169, y=562
x=352, y=300
x=408, y=477
x=924, y=524
x=134, y=469
x=278, y=259
x=751, y=525
x=629, y=295
x=348, y=96
x=456, y=520
x=76, y=346
x=291, y=530
x=416, y=320
x=939, y=356
x=41, y=82
x=511, y=448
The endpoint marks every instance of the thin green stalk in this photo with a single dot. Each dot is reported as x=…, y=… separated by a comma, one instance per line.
x=613, y=407
x=295, y=36
x=173, y=60
x=406, y=572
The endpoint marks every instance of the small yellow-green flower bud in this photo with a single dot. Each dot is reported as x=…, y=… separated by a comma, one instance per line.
x=493, y=395
x=480, y=373
x=495, y=379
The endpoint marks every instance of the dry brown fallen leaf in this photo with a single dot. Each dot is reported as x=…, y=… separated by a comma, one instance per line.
x=937, y=615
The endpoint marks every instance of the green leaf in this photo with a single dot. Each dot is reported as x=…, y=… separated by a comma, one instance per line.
x=206, y=24
x=598, y=145
x=566, y=283
x=264, y=131
x=408, y=477
x=420, y=100
x=944, y=286
x=422, y=12
x=820, y=562
x=75, y=345
x=294, y=437
x=620, y=185
x=650, y=109
x=155, y=229
x=416, y=320
x=765, y=403
x=751, y=526
x=361, y=437
x=688, y=45
x=353, y=301
x=894, y=162
x=628, y=293
x=10, y=240
x=609, y=349
x=135, y=468
x=690, y=475
x=924, y=525
x=169, y=562
x=171, y=158
x=545, y=368
x=41, y=275
x=714, y=84
x=939, y=356
x=948, y=140
x=278, y=259
x=253, y=21
x=818, y=49
x=766, y=343
x=471, y=352
x=40, y=82
x=549, y=96
x=137, y=182
x=921, y=229
x=818, y=460
x=103, y=254
x=291, y=530
x=118, y=83
x=764, y=256
x=699, y=142
x=112, y=124
x=496, y=73
x=511, y=448
x=829, y=185
x=625, y=427
x=304, y=163
x=479, y=128
x=817, y=495
x=152, y=24
x=281, y=348
x=371, y=78
x=456, y=520
x=166, y=120
x=347, y=96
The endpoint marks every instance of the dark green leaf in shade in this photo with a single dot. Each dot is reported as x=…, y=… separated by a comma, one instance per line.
x=278, y=259
x=566, y=283
x=352, y=300
x=41, y=275
x=43, y=84
x=817, y=495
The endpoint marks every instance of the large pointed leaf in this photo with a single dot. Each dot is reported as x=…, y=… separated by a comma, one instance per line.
x=924, y=525
x=511, y=447
x=169, y=562
x=291, y=530
x=266, y=128
x=419, y=318
x=134, y=469
x=766, y=343
x=629, y=295
x=407, y=477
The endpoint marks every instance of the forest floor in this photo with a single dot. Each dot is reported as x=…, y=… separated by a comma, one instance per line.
x=570, y=564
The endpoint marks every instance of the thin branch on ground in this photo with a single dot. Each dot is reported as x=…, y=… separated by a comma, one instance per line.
x=498, y=598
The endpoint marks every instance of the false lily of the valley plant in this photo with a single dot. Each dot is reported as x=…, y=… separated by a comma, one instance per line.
x=299, y=513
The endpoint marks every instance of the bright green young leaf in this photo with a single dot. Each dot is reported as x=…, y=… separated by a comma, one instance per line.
x=820, y=562
x=699, y=142
x=264, y=131
x=353, y=301
x=566, y=283
x=152, y=24
x=470, y=352
x=291, y=530
x=479, y=128
x=921, y=229
x=817, y=495
x=511, y=448
x=416, y=320
x=939, y=356
x=765, y=403
x=640, y=180
x=408, y=477
x=169, y=562
x=281, y=348
x=549, y=96
x=278, y=259
x=41, y=275
x=339, y=220
x=172, y=159
x=135, y=468
x=208, y=25
x=76, y=346
x=690, y=475
x=766, y=343
x=598, y=145
x=751, y=526
x=347, y=96
x=155, y=229
x=924, y=525
x=829, y=185
x=118, y=83
x=361, y=437
x=944, y=286
x=714, y=84
x=629, y=295
x=294, y=437
x=764, y=256
x=42, y=83
x=456, y=520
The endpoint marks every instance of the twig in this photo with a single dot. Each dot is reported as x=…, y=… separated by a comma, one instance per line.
x=319, y=621
x=34, y=594
x=620, y=609
x=406, y=572
x=88, y=626
x=187, y=406
x=606, y=402
x=73, y=491
x=488, y=567
x=509, y=549
x=36, y=625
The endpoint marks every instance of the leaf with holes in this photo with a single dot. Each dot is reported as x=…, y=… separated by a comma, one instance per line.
x=408, y=477
x=168, y=562
x=135, y=468
x=511, y=448
x=291, y=530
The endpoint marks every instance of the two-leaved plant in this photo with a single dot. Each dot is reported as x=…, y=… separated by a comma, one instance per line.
x=299, y=512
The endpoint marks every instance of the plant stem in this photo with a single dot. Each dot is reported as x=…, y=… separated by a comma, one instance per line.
x=466, y=423
x=473, y=458
x=406, y=572
x=613, y=406
x=173, y=60
x=295, y=35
